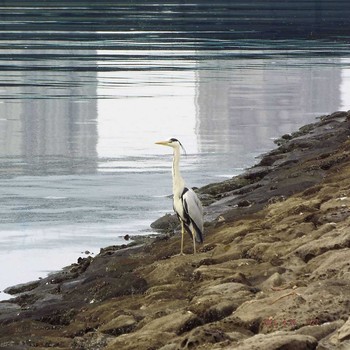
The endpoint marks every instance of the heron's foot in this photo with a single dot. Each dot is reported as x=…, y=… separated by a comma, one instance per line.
x=180, y=254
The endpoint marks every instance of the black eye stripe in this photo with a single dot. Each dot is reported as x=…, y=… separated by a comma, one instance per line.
x=176, y=140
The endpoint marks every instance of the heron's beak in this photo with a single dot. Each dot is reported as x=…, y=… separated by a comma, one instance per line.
x=163, y=143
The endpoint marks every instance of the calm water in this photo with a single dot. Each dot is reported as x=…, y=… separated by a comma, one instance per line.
x=86, y=90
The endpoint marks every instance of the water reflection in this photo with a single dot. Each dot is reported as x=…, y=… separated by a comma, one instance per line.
x=345, y=85
x=49, y=118
x=241, y=103
x=139, y=108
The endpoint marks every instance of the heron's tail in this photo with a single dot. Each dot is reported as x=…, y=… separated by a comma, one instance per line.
x=198, y=233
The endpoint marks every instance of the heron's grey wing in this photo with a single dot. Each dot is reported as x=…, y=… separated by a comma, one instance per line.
x=193, y=208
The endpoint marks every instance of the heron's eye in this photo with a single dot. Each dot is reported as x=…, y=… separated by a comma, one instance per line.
x=173, y=140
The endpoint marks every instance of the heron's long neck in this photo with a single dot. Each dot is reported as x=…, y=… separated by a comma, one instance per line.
x=178, y=182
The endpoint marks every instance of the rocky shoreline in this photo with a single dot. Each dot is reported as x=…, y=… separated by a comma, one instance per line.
x=273, y=273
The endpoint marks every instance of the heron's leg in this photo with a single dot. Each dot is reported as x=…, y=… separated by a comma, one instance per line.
x=194, y=242
x=182, y=238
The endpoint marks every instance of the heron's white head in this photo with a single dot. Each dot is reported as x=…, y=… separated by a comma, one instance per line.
x=174, y=143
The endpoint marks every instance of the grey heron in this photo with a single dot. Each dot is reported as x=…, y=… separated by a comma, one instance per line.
x=186, y=204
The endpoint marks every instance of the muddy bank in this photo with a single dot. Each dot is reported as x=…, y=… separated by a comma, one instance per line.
x=274, y=271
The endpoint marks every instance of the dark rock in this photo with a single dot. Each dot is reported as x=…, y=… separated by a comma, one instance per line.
x=257, y=172
x=167, y=222
x=219, y=188
x=21, y=288
x=244, y=203
x=270, y=158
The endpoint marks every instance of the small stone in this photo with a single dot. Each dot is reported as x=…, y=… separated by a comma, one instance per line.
x=221, y=219
x=244, y=203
